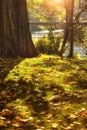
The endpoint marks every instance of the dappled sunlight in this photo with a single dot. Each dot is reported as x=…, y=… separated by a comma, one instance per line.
x=43, y=87
x=53, y=70
x=44, y=93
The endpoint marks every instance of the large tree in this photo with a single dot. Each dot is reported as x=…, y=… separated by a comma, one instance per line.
x=15, y=37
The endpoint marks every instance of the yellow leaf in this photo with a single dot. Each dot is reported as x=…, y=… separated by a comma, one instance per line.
x=54, y=125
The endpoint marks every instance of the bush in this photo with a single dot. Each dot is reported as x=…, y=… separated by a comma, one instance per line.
x=41, y=45
x=48, y=45
x=77, y=56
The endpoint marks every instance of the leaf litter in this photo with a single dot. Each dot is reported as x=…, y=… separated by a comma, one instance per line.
x=43, y=93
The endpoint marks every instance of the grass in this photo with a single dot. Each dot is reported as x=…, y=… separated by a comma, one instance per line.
x=44, y=93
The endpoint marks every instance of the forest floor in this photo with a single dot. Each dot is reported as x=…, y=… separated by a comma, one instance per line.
x=43, y=93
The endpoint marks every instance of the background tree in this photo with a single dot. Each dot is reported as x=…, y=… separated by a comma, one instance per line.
x=69, y=8
x=72, y=19
x=15, y=37
x=50, y=11
x=71, y=29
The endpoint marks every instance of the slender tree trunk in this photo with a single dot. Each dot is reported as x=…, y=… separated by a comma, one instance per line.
x=69, y=7
x=15, y=37
x=66, y=31
x=71, y=42
x=71, y=29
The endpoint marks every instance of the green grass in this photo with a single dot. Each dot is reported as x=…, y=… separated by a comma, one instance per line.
x=43, y=93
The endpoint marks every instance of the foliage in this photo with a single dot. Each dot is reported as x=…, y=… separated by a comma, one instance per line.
x=42, y=45
x=81, y=37
x=77, y=56
x=43, y=93
x=44, y=10
x=85, y=39
x=52, y=10
x=33, y=7
x=49, y=44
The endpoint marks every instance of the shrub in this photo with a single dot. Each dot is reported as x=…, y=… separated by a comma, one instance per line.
x=41, y=44
x=49, y=44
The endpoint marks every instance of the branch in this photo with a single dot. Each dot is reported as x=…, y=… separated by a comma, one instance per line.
x=80, y=12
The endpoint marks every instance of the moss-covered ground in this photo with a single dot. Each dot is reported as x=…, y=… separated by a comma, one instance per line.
x=43, y=93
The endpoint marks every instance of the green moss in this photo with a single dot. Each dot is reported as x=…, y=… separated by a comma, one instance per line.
x=43, y=93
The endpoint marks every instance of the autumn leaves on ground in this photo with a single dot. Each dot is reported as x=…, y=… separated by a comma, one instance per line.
x=44, y=93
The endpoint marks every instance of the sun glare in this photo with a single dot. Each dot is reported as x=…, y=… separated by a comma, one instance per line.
x=57, y=0
x=60, y=2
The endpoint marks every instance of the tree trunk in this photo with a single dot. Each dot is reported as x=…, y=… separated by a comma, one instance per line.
x=71, y=29
x=69, y=7
x=67, y=26
x=66, y=32
x=15, y=37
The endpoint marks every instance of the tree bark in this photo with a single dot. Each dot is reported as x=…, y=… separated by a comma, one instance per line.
x=69, y=7
x=15, y=36
x=71, y=29
x=67, y=26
